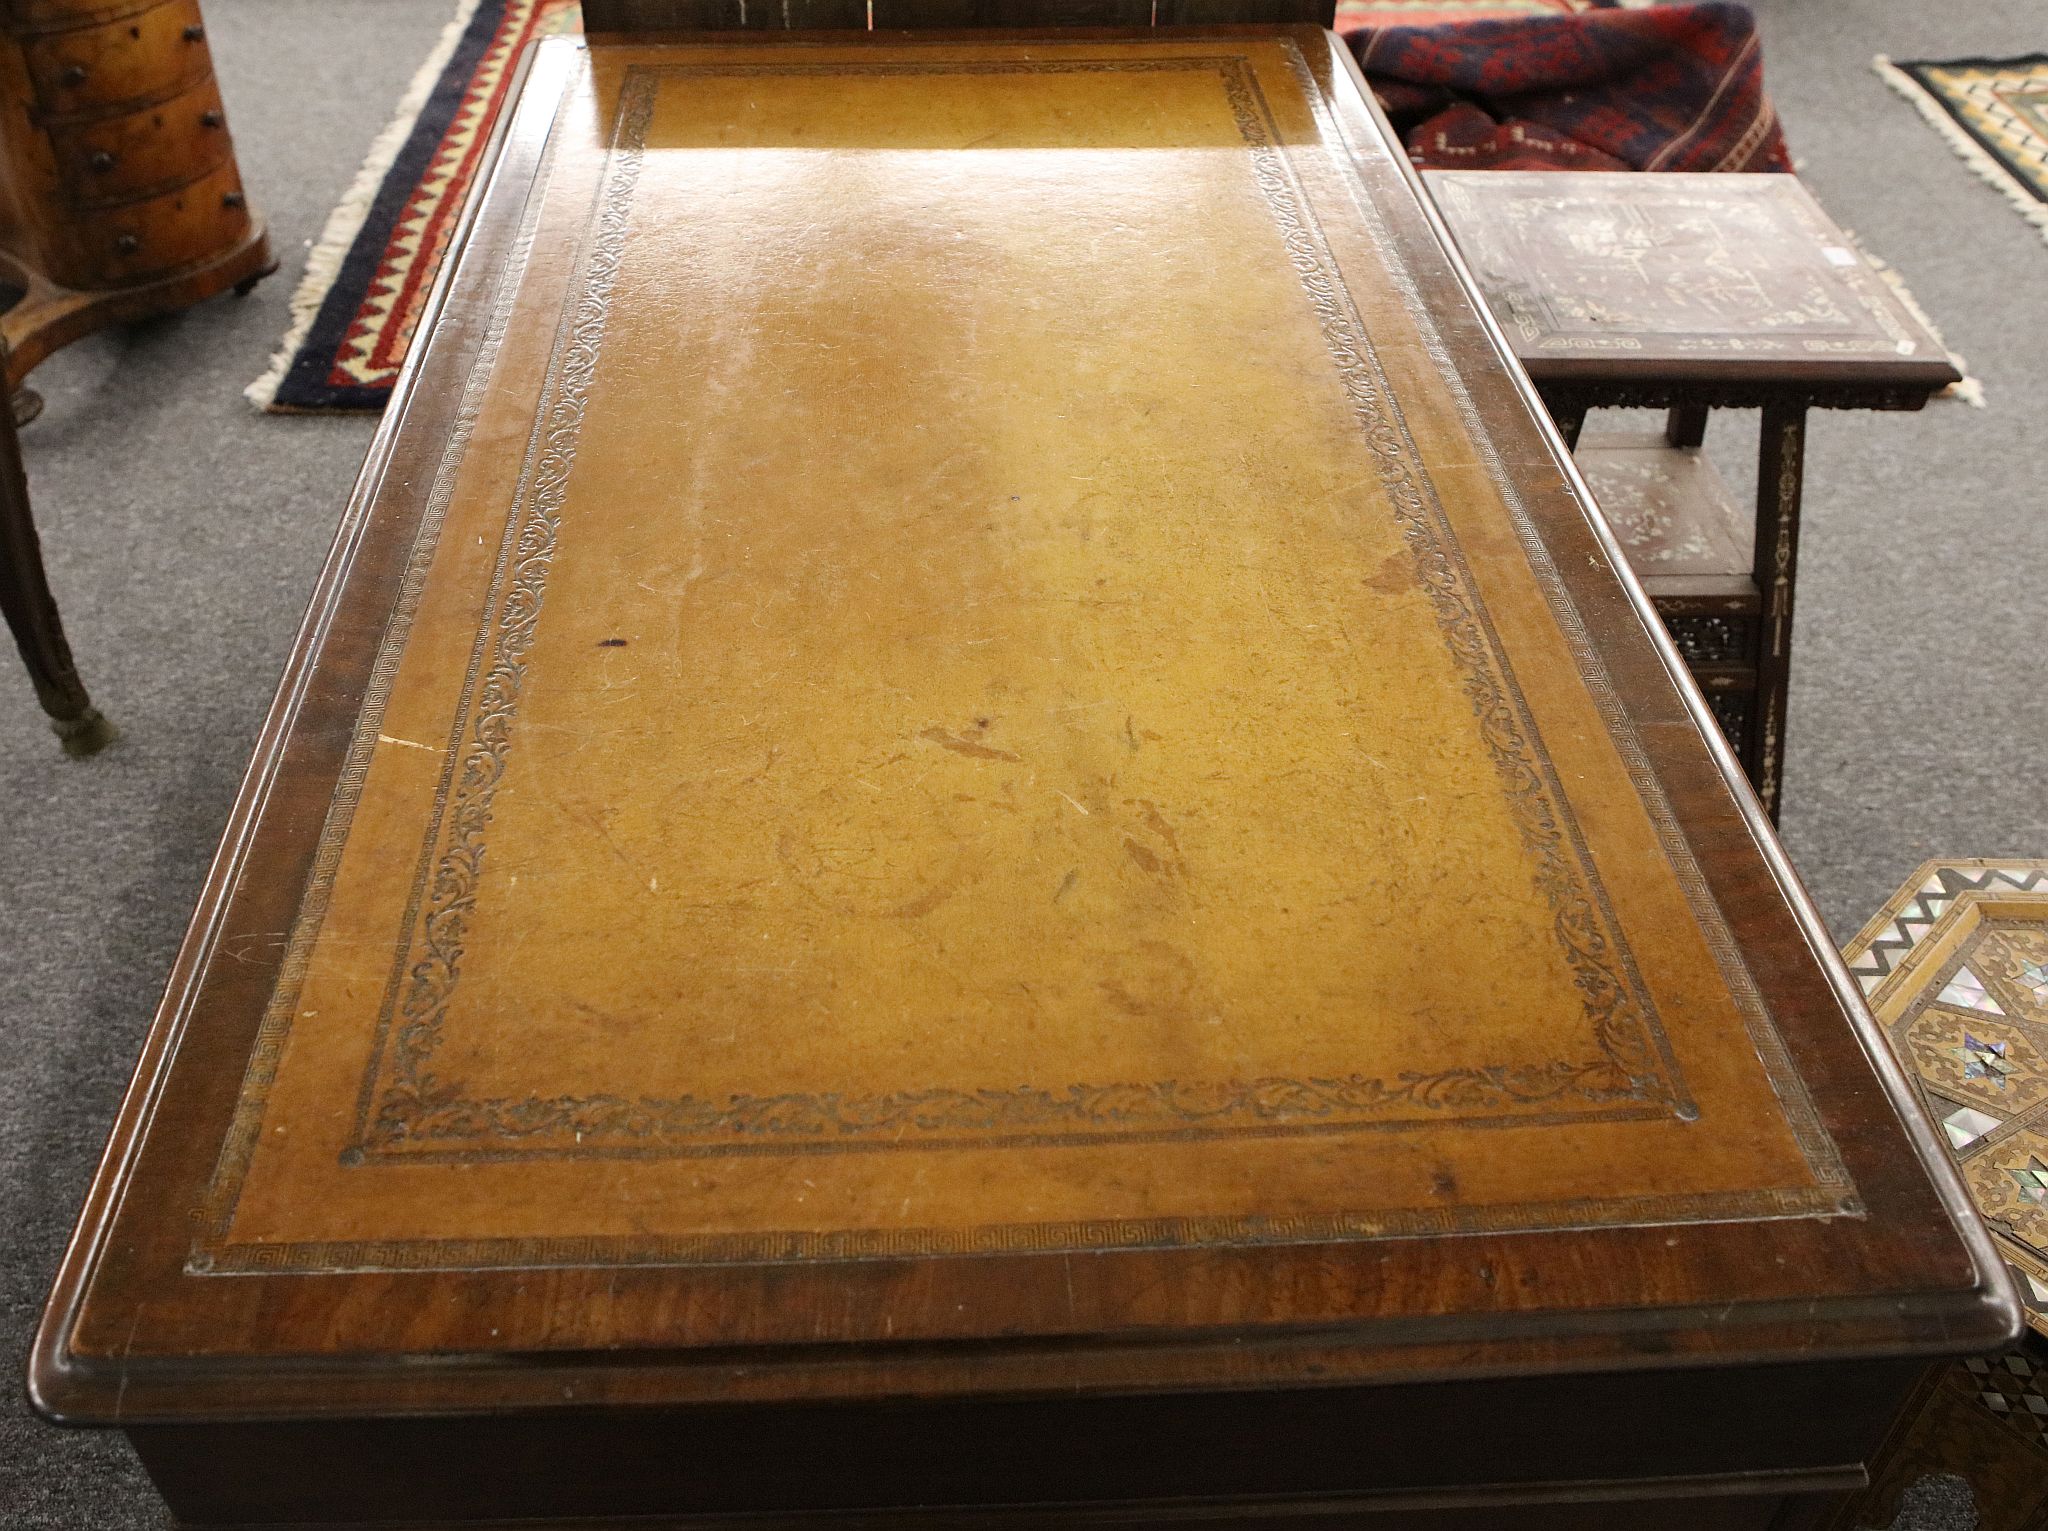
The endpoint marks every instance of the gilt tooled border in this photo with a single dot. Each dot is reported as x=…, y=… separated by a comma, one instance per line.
x=1795, y=1100
x=417, y=1114
x=238, y=1147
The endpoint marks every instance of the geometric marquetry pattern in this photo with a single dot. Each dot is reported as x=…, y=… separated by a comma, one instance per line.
x=2008, y=1180
x=1956, y=967
x=1973, y=1059
x=1890, y=939
x=2011, y=1388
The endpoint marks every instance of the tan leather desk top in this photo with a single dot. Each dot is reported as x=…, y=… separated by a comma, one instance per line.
x=965, y=673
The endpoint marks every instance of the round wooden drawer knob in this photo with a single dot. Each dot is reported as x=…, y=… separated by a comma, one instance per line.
x=101, y=161
x=127, y=244
x=74, y=74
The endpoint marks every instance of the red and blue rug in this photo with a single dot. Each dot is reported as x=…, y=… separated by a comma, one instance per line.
x=355, y=310
x=1471, y=84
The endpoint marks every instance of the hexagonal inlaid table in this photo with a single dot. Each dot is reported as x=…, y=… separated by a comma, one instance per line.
x=1955, y=967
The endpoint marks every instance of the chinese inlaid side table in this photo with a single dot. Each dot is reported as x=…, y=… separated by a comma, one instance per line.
x=1956, y=968
x=972, y=831
x=1695, y=292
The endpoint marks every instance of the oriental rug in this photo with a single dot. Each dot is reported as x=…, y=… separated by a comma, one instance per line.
x=370, y=272
x=1994, y=113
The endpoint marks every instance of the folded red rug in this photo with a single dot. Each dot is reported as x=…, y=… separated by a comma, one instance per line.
x=1671, y=87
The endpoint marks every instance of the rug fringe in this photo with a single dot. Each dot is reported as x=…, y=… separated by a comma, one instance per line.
x=1970, y=390
x=324, y=261
x=1983, y=165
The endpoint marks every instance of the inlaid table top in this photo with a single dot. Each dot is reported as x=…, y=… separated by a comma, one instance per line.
x=1619, y=274
x=968, y=738
x=1956, y=969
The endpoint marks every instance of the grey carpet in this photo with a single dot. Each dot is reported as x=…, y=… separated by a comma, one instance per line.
x=183, y=532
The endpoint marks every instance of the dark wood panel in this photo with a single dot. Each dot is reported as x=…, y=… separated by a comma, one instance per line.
x=627, y=16
x=723, y=15
x=1395, y=1450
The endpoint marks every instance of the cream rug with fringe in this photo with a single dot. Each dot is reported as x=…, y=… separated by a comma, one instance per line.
x=1994, y=113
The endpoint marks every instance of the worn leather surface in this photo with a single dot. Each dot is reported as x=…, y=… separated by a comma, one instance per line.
x=971, y=683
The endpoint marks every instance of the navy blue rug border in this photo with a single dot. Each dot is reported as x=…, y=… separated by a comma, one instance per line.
x=306, y=385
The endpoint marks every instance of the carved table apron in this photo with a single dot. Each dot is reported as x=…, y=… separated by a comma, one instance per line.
x=971, y=820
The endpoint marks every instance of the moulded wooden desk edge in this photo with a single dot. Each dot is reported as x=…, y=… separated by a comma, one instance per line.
x=1308, y=1350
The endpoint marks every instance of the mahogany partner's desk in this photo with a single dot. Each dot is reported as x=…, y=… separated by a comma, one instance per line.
x=969, y=819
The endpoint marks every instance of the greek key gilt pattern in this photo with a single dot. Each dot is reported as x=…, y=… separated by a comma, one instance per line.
x=418, y=1109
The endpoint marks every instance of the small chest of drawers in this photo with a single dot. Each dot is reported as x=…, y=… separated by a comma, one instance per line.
x=122, y=196
x=119, y=198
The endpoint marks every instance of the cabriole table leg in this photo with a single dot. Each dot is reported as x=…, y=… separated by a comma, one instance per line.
x=32, y=612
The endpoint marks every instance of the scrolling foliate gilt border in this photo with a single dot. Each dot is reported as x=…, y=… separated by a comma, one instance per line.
x=1795, y=1100
x=408, y=1110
